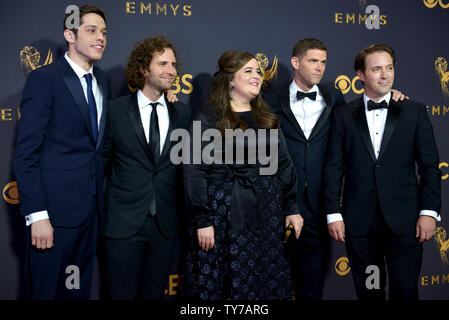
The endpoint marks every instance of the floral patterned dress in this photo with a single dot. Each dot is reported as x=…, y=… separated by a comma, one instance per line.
x=247, y=261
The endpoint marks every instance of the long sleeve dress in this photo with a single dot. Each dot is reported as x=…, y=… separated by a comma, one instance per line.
x=247, y=211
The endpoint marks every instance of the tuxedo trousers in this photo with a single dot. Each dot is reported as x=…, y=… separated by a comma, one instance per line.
x=311, y=257
x=138, y=267
x=383, y=251
x=63, y=272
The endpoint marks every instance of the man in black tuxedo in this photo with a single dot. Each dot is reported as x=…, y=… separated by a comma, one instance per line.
x=304, y=107
x=375, y=144
x=141, y=197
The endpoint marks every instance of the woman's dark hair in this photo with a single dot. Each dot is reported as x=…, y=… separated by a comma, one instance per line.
x=229, y=63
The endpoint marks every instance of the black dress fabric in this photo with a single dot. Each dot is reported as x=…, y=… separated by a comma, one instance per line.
x=247, y=261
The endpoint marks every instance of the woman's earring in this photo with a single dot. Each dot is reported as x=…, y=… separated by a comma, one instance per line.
x=231, y=87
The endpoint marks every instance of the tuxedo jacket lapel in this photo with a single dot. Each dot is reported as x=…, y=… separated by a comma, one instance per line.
x=324, y=115
x=362, y=125
x=136, y=123
x=173, y=116
x=105, y=93
x=390, y=125
x=74, y=85
x=284, y=100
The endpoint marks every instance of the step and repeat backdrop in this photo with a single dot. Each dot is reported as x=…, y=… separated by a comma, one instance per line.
x=31, y=35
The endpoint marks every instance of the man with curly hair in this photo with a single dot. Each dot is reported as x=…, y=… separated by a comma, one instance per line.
x=142, y=198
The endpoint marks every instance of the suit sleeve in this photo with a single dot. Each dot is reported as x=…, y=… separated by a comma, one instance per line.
x=428, y=161
x=108, y=147
x=334, y=169
x=287, y=176
x=195, y=185
x=36, y=113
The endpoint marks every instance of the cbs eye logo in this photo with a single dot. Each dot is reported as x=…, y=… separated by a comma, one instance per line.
x=444, y=164
x=345, y=84
x=433, y=3
x=188, y=87
x=342, y=266
x=11, y=193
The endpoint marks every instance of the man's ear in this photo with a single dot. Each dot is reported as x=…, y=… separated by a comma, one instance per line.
x=360, y=75
x=295, y=62
x=69, y=36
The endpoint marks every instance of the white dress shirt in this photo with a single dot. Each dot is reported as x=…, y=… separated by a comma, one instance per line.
x=80, y=72
x=162, y=114
x=306, y=111
x=376, y=120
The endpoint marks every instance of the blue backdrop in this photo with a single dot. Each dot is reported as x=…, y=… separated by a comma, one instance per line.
x=202, y=30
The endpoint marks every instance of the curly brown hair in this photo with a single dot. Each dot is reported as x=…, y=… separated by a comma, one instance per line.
x=140, y=59
x=229, y=63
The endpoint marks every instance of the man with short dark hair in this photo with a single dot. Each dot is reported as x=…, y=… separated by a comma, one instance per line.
x=375, y=144
x=304, y=107
x=58, y=163
x=142, y=192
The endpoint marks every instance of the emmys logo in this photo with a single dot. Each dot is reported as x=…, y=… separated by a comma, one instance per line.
x=173, y=284
x=30, y=59
x=11, y=193
x=9, y=114
x=443, y=244
x=158, y=9
x=342, y=266
x=264, y=62
x=438, y=110
x=433, y=3
x=443, y=74
x=345, y=84
x=372, y=18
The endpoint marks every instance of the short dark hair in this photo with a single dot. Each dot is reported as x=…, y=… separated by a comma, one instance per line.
x=83, y=10
x=302, y=46
x=140, y=59
x=359, y=62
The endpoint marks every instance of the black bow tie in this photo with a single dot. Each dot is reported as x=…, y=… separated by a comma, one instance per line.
x=373, y=105
x=301, y=95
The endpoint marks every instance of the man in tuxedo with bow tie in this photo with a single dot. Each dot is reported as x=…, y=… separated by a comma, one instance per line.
x=142, y=194
x=304, y=108
x=375, y=144
x=58, y=162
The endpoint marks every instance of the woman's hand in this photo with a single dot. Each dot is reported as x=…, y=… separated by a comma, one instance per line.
x=206, y=238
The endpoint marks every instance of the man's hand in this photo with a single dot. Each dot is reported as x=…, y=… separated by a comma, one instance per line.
x=425, y=228
x=206, y=238
x=337, y=230
x=297, y=221
x=398, y=95
x=42, y=234
x=171, y=97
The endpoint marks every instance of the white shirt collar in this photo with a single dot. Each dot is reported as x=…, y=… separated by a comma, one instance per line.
x=386, y=97
x=143, y=101
x=80, y=72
